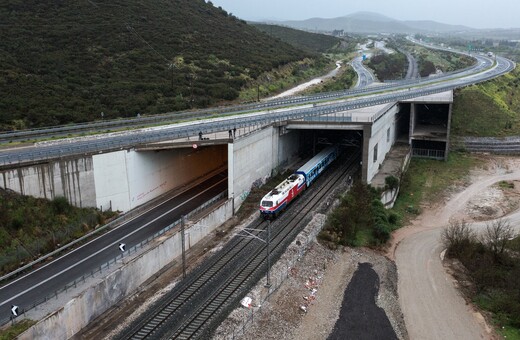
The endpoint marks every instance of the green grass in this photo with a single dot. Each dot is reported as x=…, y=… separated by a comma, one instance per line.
x=31, y=227
x=18, y=328
x=488, y=109
x=509, y=333
x=426, y=181
x=363, y=238
x=344, y=79
x=284, y=78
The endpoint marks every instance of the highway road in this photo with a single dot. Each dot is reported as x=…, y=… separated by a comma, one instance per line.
x=365, y=76
x=393, y=92
x=43, y=282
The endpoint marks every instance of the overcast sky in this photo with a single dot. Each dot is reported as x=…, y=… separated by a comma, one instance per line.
x=472, y=13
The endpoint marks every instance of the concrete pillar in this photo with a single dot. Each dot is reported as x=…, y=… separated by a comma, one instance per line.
x=231, y=175
x=450, y=106
x=412, y=122
x=367, y=134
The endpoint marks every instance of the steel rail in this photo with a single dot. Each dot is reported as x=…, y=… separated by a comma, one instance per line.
x=185, y=318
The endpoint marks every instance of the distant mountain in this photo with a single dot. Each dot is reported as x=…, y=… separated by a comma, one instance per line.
x=368, y=22
x=433, y=26
x=306, y=41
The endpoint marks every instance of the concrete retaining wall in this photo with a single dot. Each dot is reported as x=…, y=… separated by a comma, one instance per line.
x=388, y=197
x=95, y=300
x=383, y=135
x=72, y=179
x=286, y=148
x=250, y=160
x=254, y=158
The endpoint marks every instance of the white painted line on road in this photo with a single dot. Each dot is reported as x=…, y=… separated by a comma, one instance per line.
x=103, y=249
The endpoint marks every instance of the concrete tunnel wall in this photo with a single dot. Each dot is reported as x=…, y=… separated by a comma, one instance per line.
x=384, y=136
x=69, y=178
x=132, y=272
x=127, y=179
x=254, y=158
x=120, y=180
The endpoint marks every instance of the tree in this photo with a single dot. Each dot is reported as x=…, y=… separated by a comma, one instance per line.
x=496, y=236
x=457, y=237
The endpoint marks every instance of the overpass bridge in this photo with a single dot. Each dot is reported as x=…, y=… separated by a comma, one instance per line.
x=125, y=178
x=124, y=170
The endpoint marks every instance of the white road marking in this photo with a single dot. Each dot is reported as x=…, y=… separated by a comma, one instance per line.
x=101, y=250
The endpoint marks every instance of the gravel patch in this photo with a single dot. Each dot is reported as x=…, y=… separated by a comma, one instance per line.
x=309, y=286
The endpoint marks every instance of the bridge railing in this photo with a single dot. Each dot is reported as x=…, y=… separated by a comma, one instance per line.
x=429, y=153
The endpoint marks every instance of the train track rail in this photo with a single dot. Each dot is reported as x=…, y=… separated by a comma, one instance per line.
x=194, y=308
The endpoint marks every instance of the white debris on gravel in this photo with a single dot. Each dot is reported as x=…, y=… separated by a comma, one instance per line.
x=485, y=204
x=307, y=293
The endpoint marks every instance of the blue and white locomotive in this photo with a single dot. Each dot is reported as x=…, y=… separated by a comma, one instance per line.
x=277, y=199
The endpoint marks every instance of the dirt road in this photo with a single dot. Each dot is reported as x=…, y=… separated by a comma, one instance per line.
x=433, y=308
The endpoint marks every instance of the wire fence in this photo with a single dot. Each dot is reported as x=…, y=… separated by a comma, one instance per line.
x=280, y=272
x=429, y=153
x=106, y=266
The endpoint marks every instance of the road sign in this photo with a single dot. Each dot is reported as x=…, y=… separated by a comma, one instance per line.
x=194, y=146
x=122, y=246
x=14, y=310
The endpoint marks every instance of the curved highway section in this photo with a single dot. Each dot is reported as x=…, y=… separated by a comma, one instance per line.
x=408, y=89
x=365, y=77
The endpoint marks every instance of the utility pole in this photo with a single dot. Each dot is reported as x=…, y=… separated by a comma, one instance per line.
x=268, y=284
x=183, y=248
x=267, y=241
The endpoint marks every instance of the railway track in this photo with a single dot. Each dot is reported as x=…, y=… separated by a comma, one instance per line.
x=194, y=308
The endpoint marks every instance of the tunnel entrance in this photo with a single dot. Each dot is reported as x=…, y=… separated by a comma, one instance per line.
x=167, y=169
x=312, y=141
x=403, y=123
x=430, y=130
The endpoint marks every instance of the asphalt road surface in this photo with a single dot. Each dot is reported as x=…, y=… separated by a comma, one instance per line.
x=43, y=282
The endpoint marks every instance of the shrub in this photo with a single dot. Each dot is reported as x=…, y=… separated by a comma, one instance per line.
x=60, y=205
x=393, y=218
x=381, y=233
x=391, y=182
x=457, y=237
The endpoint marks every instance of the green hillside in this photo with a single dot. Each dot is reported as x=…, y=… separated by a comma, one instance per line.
x=488, y=109
x=69, y=61
x=312, y=42
x=30, y=227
